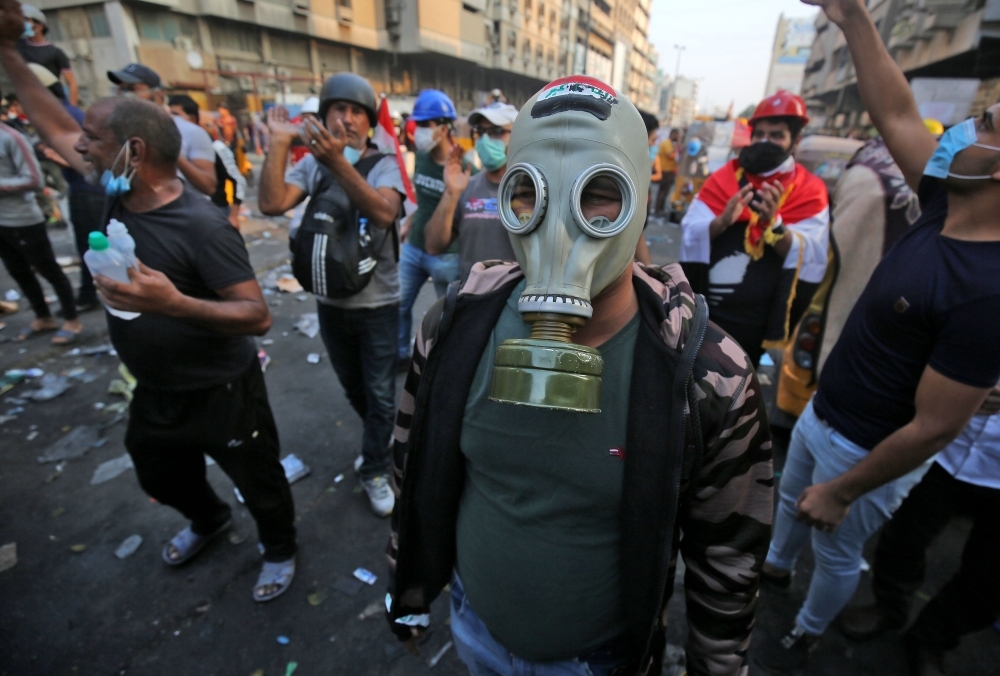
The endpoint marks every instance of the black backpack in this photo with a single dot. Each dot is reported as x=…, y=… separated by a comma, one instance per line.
x=333, y=254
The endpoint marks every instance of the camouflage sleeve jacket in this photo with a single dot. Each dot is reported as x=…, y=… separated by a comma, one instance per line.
x=698, y=476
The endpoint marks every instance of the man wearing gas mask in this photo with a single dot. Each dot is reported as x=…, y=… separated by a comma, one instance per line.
x=755, y=238
x=567, y=417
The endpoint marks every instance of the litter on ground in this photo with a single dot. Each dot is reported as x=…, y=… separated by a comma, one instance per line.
x=71, y=445
x=128, y=546
x=107, y=471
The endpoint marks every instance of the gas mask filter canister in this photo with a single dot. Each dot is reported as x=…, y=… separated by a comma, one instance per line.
x=573, y=201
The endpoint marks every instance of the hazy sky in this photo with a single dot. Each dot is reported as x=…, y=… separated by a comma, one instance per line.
x=728, y=44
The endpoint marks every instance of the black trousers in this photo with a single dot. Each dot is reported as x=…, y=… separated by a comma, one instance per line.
x=86, y=209
x=970, y=601
x=27, y=247
x=666, y=187
x=169, y=433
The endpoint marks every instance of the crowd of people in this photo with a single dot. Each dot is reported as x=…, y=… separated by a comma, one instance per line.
x=555, y=525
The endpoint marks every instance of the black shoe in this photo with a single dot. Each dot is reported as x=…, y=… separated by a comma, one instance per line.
x=863, y=623
x=788, y=653
x=777, y=582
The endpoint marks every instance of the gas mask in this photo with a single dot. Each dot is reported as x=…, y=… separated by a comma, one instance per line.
x=573, y=201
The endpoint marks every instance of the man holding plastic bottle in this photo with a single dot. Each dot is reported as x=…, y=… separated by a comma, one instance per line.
x=200, y=388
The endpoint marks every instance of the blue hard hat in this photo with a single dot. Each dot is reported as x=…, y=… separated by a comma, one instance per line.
x=433, y=104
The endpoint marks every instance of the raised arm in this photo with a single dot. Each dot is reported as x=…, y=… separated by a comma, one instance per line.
x=274, y=196
x=47, y=114
x=884, y=89
x=438, y=232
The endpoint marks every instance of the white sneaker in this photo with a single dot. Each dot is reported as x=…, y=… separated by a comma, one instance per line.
x=358, y=461
x=380, y=495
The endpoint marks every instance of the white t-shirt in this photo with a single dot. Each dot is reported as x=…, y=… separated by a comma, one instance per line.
x=196, y=144
x=383, y=289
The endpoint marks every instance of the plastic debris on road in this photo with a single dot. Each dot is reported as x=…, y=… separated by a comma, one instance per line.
x=8, y=556
x=313, y=358
x=74, y=444
x=78, y=548
x=96, y=350
x=283, y=640
x=12, y=295
x=337, y=479
x=365, y=576
x=239, y=496
x=316, y=598
x=371, y=610
x=295, y=469
x=267, y=341
x=32, y=435
x=51, y=387
x=124, y=387
x=290, y=669
x=288, y=284
x=308, y=324
x=107, y=471
x=440, y=653
x=128, y=546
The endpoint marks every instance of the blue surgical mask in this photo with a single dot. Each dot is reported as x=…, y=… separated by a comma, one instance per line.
x=29, y=30
x=116, y=186
x=351, y=154
x=653, y=152
x=952, y=142
x=492, y=152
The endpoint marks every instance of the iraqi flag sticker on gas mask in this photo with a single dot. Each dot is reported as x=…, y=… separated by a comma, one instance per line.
x=575, y=92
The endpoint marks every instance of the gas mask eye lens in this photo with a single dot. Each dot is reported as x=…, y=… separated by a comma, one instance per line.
x=522, y=198
x=603, y=200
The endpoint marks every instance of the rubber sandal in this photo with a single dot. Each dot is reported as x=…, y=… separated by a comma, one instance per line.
x=189, y=543
x=28, y=332
x=280, y=573
x=66, y=337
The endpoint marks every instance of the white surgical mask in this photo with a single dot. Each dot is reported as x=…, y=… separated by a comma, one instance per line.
x=423, y=139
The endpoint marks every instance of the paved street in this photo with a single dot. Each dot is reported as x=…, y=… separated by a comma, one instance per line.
x=71, y=607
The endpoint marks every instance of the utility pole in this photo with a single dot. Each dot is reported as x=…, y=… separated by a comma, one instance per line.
x=673, y=87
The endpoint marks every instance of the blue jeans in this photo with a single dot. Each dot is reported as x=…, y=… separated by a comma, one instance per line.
x=362, y=348
x=415, y=266
x=816, y=454
x=484, y=656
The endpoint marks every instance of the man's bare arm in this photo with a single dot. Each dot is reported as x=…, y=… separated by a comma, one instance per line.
x=242, y=310
x=74, y=88
x=943, y=409
x=274, y=196
x=45, y=112
x=199, y=173
x=884, y=89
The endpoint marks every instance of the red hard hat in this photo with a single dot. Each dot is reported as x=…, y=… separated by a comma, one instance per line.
x=781, y=104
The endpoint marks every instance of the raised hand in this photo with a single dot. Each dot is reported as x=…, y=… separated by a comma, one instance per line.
x=838, y=11
x=11, y=23
x=325, y=145
x=770, y=198
x=735, y=206
x=456, y=179
x=278, y=124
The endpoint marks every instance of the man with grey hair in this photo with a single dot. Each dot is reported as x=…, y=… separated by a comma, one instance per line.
x=200, y=387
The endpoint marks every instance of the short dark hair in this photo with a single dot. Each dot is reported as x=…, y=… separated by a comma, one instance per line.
x=648, y=119
x=795, y=124
x=135, y=118
x=187, y=104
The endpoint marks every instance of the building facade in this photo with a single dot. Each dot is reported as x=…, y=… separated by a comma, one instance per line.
x=948, y=49
x=680, y=102
x=793, y=41
x=250, y=52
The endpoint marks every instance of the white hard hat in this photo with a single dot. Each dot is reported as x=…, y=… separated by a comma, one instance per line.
x=32, y=12
x=43, y=74
x=311, y=105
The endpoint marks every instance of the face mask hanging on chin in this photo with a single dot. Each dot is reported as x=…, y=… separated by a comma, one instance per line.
x=954, y=141
x=352, y=155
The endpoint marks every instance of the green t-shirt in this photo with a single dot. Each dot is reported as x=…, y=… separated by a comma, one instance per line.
x=428, y=183
x=538, y=525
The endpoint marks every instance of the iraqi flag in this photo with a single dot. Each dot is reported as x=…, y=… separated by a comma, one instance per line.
x=576, y=92
x=384, y=137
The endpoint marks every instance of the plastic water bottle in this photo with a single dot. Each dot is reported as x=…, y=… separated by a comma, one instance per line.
x=103, y=260
x=121, y=241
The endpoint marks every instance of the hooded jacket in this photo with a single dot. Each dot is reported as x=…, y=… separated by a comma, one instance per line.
x=698, y=476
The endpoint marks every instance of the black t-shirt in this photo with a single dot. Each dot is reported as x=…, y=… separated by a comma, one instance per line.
x=191, y=242
x=47, y=55
x=932, y=300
